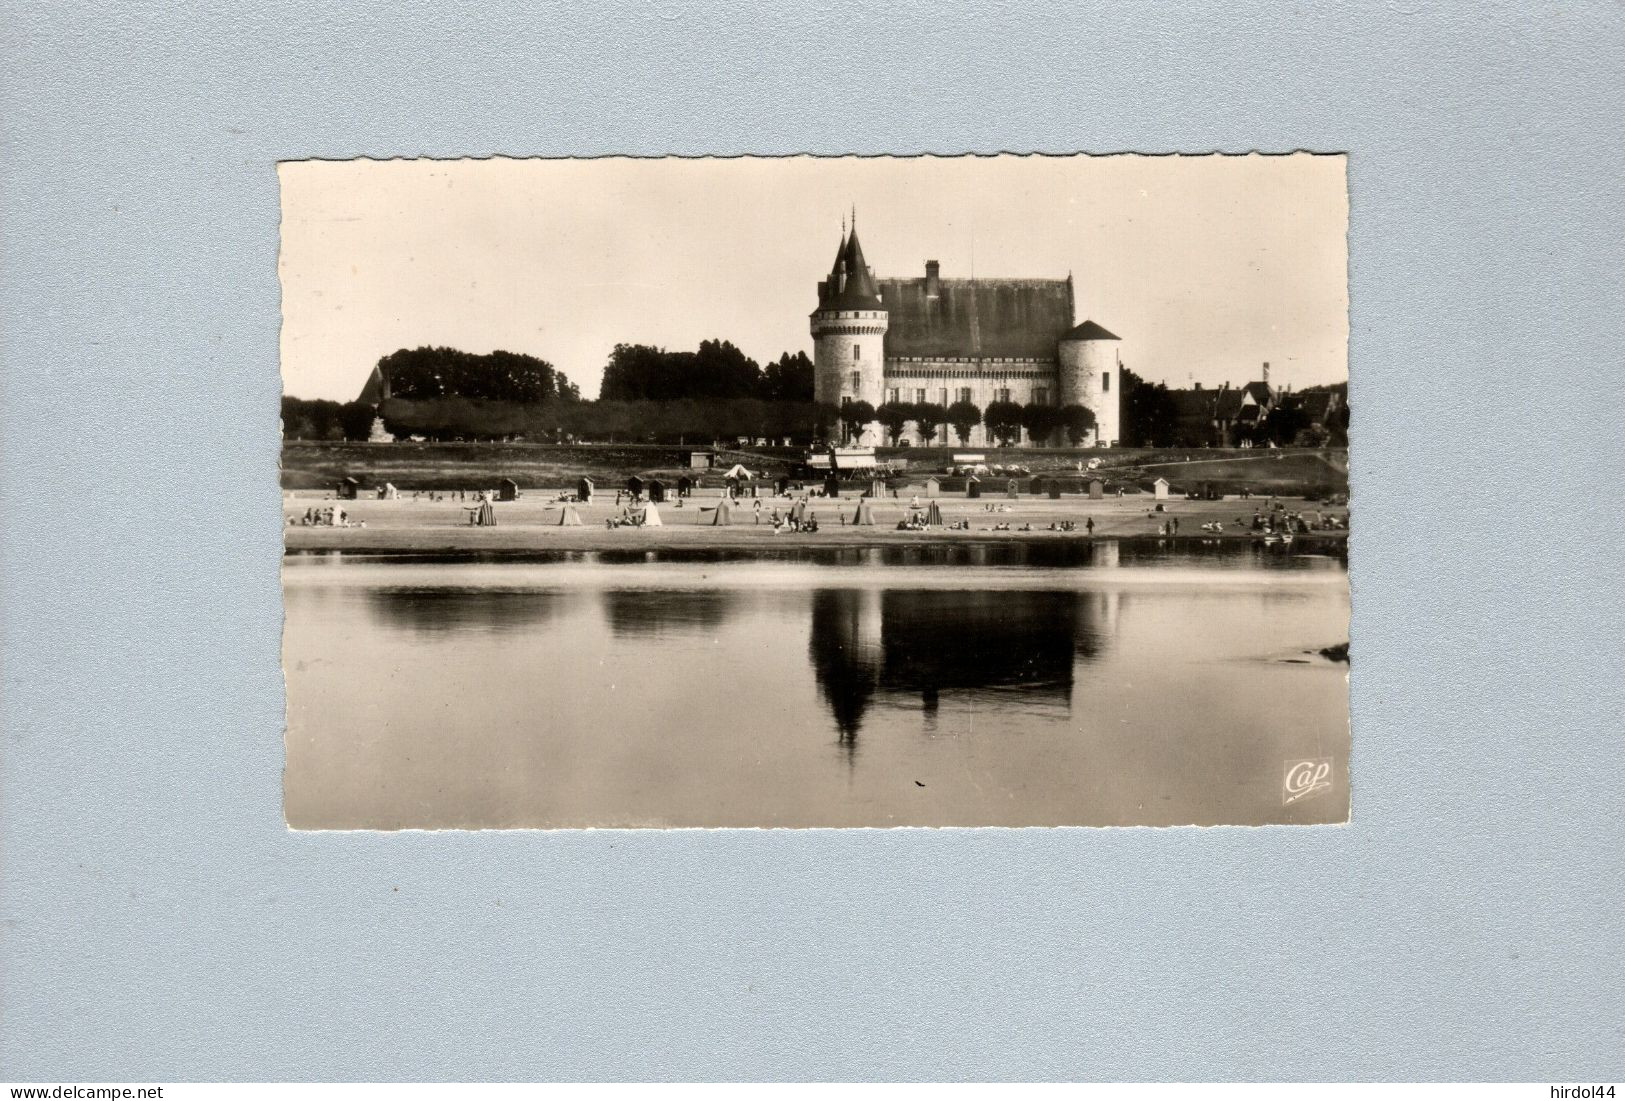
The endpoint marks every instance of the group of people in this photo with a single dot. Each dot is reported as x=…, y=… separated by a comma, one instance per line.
x=331, y=516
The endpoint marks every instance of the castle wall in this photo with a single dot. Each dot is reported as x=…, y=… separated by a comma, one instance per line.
x=1091, y=375
x=849, y=359
x=945, y=380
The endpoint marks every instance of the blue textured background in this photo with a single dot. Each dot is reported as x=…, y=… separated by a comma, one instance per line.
x=160, y=923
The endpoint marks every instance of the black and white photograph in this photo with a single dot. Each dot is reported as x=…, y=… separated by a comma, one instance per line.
x=816, y=492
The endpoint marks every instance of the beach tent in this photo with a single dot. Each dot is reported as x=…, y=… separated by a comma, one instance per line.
x=782, y=487
x=933, y=515
x=973, y=486
x=584, y=490
x=932, y=487
x=877, y=488
x=634, y=486
x=1055, y=489
x=724, y=513
x=1012, y=489
x=798, y=510
x=651, y=517
x=1160, y=489
x=865, y=516
x=832, y=484
x=1096, y=490
x=737, y=471
x=684, y=485
x=346, y=489
x=487, y=515
x=657, y=492
x=569, y=518
x=507, y=490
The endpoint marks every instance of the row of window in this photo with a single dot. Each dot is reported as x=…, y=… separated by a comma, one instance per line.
x=1040, y=393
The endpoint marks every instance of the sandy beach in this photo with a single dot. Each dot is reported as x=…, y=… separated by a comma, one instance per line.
x=532, y=523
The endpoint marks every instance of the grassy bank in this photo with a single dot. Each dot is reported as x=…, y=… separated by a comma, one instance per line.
x=409, y=466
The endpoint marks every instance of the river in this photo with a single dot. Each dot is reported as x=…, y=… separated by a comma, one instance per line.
x=967, y=685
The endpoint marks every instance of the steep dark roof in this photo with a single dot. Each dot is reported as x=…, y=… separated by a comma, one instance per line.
x=1317, y=405
x=1012, y=318
x=1228, y=404
x=1089, y=331
x=1260, y=392
x=850, y=286
x=1194, y=404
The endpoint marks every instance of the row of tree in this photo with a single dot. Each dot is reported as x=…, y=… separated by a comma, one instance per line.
x=315, y=419
x=427, y=374
x=1005, y=420
x=718, y=371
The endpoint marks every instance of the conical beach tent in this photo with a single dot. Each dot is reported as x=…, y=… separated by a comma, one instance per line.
x=651, y=516
x=933, y=515
x=487, y=517
x=738, y=471
x=724, y=513
x=569, y=518
x=865, y=516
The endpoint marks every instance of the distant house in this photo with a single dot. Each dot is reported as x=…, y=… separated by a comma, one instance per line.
x=1221, y=418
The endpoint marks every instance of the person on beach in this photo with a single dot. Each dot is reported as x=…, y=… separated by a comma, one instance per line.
x=1089, y=525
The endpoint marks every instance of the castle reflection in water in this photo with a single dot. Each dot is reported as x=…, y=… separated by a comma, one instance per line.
x=898, y=644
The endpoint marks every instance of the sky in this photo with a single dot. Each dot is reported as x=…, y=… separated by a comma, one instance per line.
x=1206, y=267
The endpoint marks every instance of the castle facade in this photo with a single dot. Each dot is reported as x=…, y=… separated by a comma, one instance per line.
x=939, y=340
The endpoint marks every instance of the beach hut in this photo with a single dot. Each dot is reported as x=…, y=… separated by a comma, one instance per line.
x=657, y=492
x=507, y=490
x=1054, y=489
x=724, y=514
x=347, y=489
x=685, y=485
x=634, y=486
x=782, y=487
x=832, y=484
x=933, y=515
x=973, y=486
x=932, y=487
x=1012, y=490
x=584, y=491
x=865, y=516
x=1097, y=491
x=569, y=518
x=1159, y=489
x=651, y=517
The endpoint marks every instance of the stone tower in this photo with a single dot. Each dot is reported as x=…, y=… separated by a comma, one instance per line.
x=1091, y=375
x=849, y=336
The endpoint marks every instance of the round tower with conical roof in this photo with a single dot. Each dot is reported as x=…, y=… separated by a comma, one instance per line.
x=849, y=336
x=1091, y=375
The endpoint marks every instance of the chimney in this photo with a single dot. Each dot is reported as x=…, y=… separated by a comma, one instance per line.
x=933, y=280
x=1266, y=374
x=1198, y=385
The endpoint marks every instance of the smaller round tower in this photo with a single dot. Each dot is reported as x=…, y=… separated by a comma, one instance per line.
x=849, y=336
x=1091, y=375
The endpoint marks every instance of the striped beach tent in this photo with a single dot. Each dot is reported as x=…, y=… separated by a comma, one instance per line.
x=933, y=515
x=724, y=513
x=865, y=516
x=569, y=517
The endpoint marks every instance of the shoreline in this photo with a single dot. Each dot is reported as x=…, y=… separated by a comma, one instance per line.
x=531, y=524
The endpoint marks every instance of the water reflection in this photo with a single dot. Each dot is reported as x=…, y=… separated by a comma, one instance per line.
x=444, y=610
x=907, y=642
x=660, y=612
